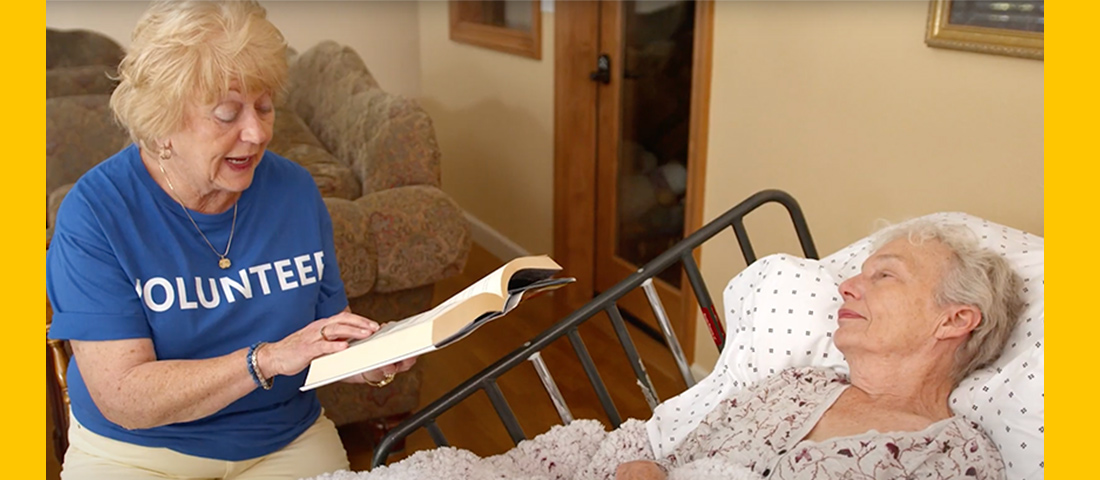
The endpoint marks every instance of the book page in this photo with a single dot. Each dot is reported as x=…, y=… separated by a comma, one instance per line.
x=490, y=283
x=394, y=327
x=510, y=304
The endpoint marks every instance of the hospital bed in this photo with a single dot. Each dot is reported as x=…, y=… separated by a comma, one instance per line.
x=606, y=303
x=1006, y=399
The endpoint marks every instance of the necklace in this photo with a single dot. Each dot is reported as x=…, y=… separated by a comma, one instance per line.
x=223, y=258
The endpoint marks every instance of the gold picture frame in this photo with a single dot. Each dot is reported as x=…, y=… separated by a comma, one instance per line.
x=1021, y=35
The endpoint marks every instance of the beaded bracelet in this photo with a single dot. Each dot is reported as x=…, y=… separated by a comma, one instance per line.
x=254, y=367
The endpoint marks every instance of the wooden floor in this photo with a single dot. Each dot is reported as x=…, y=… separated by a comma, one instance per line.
x=473, y=424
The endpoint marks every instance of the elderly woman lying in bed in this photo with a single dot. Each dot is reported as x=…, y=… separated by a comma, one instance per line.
x=928, y=308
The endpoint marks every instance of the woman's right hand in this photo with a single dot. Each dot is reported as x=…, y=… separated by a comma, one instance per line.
x=293, y=354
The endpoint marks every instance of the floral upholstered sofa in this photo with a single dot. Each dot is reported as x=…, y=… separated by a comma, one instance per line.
x=372, y=154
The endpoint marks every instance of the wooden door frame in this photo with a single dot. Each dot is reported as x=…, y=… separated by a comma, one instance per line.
x=576, y=43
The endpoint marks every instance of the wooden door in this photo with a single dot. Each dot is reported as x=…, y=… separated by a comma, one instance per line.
x=630, y=144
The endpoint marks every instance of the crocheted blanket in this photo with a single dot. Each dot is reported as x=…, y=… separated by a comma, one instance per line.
x=580, y=450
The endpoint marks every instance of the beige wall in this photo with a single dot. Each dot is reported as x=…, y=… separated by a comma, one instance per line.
x=114, y=19
x=842, y=105
x=494, y=116
x=383, y=32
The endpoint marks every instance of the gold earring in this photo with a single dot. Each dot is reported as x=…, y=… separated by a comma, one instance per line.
x=165, y=152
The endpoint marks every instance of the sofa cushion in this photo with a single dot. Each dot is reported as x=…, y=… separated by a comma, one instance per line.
x=333, y=179
x=293, y=139
x=80, y=133
x=290, y=130
x=418, y=233
x=84, y=80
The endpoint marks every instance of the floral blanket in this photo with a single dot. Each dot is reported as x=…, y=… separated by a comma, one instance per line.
x=763, y=427
x=756, y=433
x=582, y=449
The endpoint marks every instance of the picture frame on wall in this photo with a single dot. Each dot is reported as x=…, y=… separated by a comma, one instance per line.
x=510, y=26
x=1001, y=27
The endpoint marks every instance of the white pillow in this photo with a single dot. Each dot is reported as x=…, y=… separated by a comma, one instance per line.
x=781, y=313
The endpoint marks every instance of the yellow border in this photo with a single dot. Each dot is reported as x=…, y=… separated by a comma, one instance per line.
x=1072, y=225
x=1071, y=153
x=24, y=406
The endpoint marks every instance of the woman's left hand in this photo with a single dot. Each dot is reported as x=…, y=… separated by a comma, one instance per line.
x=385, y=373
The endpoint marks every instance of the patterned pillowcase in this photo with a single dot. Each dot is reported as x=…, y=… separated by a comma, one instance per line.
x=782, y=313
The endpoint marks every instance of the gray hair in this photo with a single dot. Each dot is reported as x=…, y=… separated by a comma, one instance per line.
x=977, y=277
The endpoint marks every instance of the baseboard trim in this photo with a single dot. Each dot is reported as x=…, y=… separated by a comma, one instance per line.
x=493, y=241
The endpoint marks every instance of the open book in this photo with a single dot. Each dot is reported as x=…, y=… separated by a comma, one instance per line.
x=491, y=297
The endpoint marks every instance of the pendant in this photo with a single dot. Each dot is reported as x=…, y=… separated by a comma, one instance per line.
x=224, y=263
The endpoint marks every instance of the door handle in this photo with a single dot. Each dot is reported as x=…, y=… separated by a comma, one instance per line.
x=603, y=70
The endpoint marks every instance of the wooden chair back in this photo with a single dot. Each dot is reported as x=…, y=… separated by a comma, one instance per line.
x=57, y=387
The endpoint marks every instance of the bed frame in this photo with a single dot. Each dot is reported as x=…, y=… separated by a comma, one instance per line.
x=606, y=302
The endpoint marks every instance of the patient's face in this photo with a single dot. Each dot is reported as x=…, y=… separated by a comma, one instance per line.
x=889, y=308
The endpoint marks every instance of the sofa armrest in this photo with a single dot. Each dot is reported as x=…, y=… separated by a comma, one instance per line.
x=392, y=142
x=420, y=235
x=387, y=139
x=357, y=259
x=83, y=80
x=78, y=47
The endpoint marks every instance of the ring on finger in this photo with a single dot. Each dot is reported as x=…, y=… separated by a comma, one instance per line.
x=323, y=336
x=380, y=383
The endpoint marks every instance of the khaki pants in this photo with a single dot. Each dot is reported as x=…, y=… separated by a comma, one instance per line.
x=95, y=457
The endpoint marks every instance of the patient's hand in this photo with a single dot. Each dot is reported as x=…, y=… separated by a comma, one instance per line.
x=640, y=470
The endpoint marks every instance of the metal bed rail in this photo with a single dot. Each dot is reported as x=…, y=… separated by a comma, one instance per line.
x=486, y=380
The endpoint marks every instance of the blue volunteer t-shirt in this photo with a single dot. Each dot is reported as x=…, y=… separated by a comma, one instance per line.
x=126, y=262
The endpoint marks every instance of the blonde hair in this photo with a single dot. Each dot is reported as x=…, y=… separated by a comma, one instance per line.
x=977, y=277
x=192, y=52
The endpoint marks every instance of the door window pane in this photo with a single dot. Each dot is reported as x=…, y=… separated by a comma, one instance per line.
x=658, y=47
